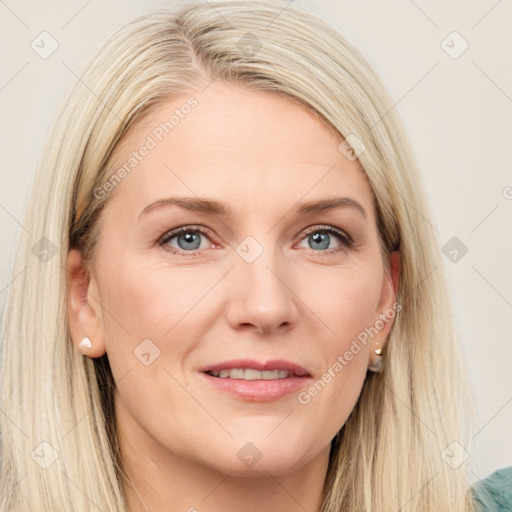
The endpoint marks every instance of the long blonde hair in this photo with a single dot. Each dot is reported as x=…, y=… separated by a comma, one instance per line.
x=59, y=446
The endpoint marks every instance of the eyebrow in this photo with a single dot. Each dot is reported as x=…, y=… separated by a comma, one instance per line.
x=212, y=207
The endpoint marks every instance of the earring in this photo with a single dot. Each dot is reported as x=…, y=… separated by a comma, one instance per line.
x=378, y=364
x=86, y=343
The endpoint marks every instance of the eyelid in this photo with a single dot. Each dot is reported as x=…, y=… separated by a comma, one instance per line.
x=183, y=229
x=329, y=229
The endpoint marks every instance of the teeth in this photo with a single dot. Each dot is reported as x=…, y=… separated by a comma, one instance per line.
x=236, y=373
x=251, y=374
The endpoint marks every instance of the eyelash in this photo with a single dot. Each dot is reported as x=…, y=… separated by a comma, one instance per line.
x=345, y=239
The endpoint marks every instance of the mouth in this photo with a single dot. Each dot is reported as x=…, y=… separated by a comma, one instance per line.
x=252, y=374
x=256, y=381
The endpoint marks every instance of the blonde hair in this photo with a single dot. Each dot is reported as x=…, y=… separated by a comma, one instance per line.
x=388, y=455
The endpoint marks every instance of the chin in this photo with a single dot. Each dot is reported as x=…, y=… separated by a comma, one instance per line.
x=263, y=460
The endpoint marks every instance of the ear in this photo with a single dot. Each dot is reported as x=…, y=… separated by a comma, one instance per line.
x=387, y=307
x=84, y=309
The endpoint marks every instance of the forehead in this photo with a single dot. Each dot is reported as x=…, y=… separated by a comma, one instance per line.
x=233, y=141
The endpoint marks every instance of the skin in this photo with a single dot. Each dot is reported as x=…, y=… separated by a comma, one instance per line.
x=263, y=155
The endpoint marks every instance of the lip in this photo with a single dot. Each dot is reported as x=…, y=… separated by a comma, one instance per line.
x=258, y=390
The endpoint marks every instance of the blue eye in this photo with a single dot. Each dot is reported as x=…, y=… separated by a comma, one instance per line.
x=319, y=239
x=188, y=240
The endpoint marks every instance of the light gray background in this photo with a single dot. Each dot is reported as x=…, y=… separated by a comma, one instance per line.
x=458, y=112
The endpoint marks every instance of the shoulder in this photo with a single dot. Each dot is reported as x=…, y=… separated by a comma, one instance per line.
x=494, y=493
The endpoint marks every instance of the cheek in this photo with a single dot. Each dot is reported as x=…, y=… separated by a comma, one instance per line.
x=347, y=307
x=345, y=299
x=146, y=300
x=355, y=297
x=150, y=297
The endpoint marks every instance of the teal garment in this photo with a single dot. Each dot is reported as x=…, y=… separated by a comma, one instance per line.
x=494, y=493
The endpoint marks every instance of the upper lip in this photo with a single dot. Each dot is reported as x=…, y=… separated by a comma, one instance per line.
x=274, y=364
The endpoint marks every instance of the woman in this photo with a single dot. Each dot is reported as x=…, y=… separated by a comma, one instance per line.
x=230, y=295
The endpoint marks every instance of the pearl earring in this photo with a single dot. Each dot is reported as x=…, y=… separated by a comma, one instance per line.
x=86, y=343
x=378, y=364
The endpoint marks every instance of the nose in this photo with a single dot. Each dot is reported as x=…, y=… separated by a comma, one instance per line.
x=261, y=294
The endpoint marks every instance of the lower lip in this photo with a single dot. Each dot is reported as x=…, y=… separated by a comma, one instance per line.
x=258, y=390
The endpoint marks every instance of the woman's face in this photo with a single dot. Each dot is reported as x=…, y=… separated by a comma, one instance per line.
x=270, y=280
